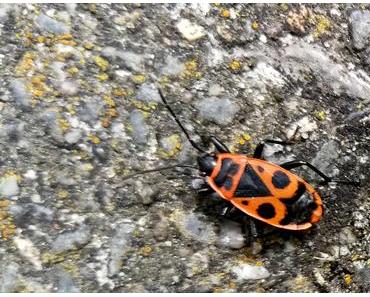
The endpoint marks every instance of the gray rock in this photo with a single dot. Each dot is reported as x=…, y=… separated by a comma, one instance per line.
x=360, y=28
x=231, y=235
x=9, y=186
x=220, y=111
x=190, y=31
x=140, y=131
x=8, y=277
x=148, y=93
x=27, y=213
x=20, y=94
x=249, y=272
x=53, y=26
x=119, y=244
x=73, y=136
x=66, y=284
x=195, y=226
x=325, y=158
x=173, y=66
x=72, y=240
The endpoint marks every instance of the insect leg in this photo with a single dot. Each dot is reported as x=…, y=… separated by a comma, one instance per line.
x=327, y=179
x=259, y=149
x=227, y=211
x=219, y=145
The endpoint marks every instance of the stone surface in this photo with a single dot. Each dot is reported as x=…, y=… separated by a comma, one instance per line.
x=79, y=111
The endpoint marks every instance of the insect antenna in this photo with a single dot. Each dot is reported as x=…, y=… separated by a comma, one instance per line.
x=192, y=142
x=156, y=169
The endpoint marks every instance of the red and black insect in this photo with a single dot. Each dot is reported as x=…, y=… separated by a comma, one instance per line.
x=265, y=191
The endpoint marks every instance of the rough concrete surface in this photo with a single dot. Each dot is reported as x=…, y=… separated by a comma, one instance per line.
x=79, y=109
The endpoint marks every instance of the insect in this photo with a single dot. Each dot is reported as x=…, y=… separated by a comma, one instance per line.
x=265, y=191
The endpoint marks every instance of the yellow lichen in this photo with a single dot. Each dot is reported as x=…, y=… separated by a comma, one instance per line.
x=119, y=92
x=26, y=63
x=225, y=13
x=191, y=69
x=146, y=251
x=40, y=39
x=320, y=115
x=244, y=137
x=138, y=78
x=101, y=62
x=109, y=101
x=102, y=76
x=63, y=124
x=88, y=45
x=218, y=290
x=70, y=267
x=63, y=194
x=4, y=203
x=347, y=279
x=323, y=25
x=173, y=141
x=255, y=25
x=73, y=70
x=235, y=65
x=94, y=139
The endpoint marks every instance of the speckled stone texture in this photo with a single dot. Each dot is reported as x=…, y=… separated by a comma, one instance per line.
x=79, y=110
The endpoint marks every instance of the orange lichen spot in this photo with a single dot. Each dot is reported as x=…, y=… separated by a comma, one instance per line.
x=111, y=112
x=106, y=122
x=225, y=13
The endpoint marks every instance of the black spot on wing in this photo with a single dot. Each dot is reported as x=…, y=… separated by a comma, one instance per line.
x=300, y=211
x=280, y=179
x=266, y=211
x=225, y=166
x=251, y=185
x=260, y=168
x=228, y=183
x=245, y=202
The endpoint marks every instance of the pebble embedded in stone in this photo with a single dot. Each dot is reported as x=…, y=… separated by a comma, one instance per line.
x=140, y=131
x=360, y=28
x=51, y=25
x=148, y=93
x=73, y=136
x=72, y=239
x=9, y=186
x=190, y=31
x=173, y=66
x=28, y=250
x=250, y=272
x=69, y=88
x=218, y=110
x=20, y=93
x=119, y=244
x=231, y=235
